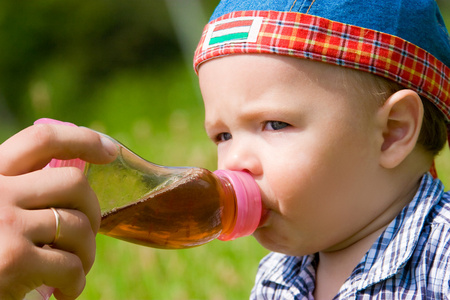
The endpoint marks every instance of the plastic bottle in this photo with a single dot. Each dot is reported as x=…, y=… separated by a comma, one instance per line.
x=169, y=207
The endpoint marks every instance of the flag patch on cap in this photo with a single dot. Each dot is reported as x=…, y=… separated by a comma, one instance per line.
x=237, y=30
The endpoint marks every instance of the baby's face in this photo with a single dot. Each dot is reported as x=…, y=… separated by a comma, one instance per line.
x=289, y=123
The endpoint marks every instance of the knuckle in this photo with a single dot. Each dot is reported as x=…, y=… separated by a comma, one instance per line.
x=74, y=280
x=75, y=269
x=8, y=218
x=14, y=244
x=15, y=256
x=83, y=231
x=74, y=181
x=83, y=226
x=42, y=134
x=77, y=177
x=9, y=195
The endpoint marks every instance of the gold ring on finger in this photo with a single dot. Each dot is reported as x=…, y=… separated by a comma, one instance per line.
x=58, y=225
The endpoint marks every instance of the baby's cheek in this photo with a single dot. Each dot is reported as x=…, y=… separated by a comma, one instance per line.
x=286, y=192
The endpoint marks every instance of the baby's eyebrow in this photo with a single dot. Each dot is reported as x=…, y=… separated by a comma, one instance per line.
x=269, y=111
x=212, y=123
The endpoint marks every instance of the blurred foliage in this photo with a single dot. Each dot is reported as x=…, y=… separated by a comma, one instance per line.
x=120, y=67
x=80, y=43
x=58, y=56
x=444, y=5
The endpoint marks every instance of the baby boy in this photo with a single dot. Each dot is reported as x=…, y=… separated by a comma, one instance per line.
x=337, y=109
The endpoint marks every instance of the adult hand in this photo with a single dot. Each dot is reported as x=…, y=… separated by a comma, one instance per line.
x=28, y=225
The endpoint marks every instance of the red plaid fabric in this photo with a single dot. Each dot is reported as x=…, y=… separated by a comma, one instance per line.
x=312, y=37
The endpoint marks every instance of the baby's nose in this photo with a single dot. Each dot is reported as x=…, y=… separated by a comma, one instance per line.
x=241, y=157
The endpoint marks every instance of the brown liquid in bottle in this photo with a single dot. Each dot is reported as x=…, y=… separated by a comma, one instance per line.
x=185, y=214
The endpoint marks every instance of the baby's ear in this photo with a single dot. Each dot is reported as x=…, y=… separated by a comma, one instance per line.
x=401, y=118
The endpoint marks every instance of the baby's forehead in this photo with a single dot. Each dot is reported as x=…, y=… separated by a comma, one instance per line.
x=329, y=76
x=361, y=87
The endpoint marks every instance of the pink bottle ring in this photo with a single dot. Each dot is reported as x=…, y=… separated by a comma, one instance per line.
x=248, y=203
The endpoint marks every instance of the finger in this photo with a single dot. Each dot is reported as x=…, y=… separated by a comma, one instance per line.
x=75, y=233
x=62, y=270
x=32, y=148
x=25, y=267
x=17, y=256
x=54, y=187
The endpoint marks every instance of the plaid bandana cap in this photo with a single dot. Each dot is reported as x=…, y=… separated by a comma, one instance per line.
x=402, y=40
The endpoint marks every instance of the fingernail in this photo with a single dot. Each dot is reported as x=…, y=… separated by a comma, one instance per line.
x=109, y=145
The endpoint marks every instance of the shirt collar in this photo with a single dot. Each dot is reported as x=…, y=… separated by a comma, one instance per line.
x=396, y=244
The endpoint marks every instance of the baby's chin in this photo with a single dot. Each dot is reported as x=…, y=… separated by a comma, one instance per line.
x=274, y=242
x=276, y=238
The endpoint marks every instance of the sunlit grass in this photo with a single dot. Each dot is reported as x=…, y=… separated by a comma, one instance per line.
x=218, y=270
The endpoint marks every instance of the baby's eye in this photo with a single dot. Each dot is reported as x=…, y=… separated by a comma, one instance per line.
x=275, y=125
x=224, y=136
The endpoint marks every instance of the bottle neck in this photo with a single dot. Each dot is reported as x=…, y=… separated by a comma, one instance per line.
x=247, y=203
x=129, y=178
x=230, y=208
